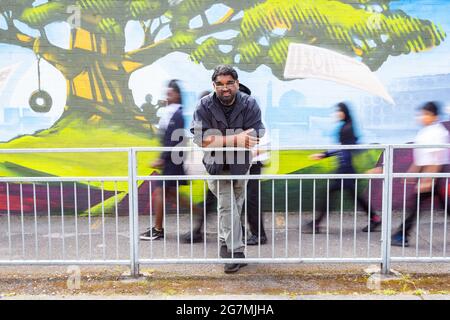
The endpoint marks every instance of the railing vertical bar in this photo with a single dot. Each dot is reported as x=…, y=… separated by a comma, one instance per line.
x=432, y=217
x=8, y=209
x=417, y=219
x=116, y=211
x=404, y=216
x=62, y=221
x=259, y=218
x=90, y=220
x=178, y=218
x=164, y=219
x=21, y=220
x=103, y=221
x=35, y=222
x=444, y=253
x=191, y=211
x=218, y=218
x=150, y=194
x=300, y=209
x=387, y=210
x=204, y=219
x=273, y=218
x=328, y=218
x=245, y=219
x=75, y=199
x=232, y=218
x=368, y=217
x=355, y=217
x=49, y=223
x=314, y=220
x=286, y=221
x=342, y=218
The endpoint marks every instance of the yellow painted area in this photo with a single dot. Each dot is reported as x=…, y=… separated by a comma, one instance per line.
x=94, y=119
x=103, y=109
x=358, y=51
x=24, y=38
x=226, y=17
x=140, y=118
x=82, y=86
x=83, y=40
x=103, y=46
x=131, y=66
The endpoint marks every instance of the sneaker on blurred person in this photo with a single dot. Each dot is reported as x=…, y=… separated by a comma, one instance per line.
x=152, y=234
x=375, y=223
x=398, y=240
x=310, y=228
x=254, y=240
x=197, y=236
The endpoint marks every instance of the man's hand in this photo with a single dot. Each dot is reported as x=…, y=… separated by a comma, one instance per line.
x=158, y=164
x=245, y=139
x=317, y=156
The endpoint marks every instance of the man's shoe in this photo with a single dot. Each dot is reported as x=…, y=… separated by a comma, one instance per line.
x=398, y=240
x=152, y=234
x=197, y=236
x=254, y=240
x=234, y=267
x=374, y=226
x=308, y=228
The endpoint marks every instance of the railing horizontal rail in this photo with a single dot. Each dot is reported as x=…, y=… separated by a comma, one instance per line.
x=62, y=179
x=263, y=177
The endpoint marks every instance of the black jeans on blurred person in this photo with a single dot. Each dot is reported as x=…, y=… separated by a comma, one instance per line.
x=335, y=187
x=411, y=205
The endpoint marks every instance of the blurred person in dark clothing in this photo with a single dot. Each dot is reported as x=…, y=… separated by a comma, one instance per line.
x=346, y=136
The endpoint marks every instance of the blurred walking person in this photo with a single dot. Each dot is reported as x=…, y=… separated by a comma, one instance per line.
x=346, y=136
x=425, y=160
x=171, y=129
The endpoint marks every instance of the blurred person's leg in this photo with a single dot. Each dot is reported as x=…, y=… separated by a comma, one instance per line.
x=397, y=238
x=321, y=208
x=156, y=231
x=198, y=218
x=255, y=222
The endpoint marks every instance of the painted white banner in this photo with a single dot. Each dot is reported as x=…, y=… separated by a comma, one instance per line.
x=306, y=61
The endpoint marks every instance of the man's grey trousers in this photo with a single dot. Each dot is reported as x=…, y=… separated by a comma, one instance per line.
x=230, y=196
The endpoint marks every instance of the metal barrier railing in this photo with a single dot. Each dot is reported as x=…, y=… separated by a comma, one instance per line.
x=47, y=220
x=38, y=226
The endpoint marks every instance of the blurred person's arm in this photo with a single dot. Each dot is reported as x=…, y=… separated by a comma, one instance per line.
x=427, y=183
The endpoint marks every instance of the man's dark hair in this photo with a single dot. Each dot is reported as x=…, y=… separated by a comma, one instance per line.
x=224, y=70
x=432, y=107
x=175, y=85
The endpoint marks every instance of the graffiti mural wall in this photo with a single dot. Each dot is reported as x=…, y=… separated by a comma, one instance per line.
x=90, y=73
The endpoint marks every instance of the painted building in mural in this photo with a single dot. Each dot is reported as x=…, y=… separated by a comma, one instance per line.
x=89, y=73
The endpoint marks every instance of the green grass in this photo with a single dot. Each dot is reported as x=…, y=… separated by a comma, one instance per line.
x=75, y=133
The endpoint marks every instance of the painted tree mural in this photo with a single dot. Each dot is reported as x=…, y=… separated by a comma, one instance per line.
x=97, y=67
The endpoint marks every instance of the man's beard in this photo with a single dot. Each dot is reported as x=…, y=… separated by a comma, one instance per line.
x=227, y=100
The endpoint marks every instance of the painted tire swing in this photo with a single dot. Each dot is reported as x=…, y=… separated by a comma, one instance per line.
x=40, y=100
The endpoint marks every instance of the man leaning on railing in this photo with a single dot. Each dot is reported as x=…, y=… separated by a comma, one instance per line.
x=228, y=118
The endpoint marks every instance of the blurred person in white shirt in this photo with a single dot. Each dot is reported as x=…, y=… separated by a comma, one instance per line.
x=425, y=160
